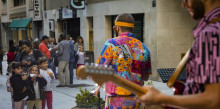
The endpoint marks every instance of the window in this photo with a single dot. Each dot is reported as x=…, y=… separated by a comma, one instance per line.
x=138, y=26
x=19, y=2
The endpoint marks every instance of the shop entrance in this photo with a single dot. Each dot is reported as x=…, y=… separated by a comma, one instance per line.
x=72, y=27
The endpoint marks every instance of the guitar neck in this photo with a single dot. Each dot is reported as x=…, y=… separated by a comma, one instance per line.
x=130, y=86
x=178, y=70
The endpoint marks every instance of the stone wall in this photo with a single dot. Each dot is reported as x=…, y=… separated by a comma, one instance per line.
x=100, y=12
x=174, y=32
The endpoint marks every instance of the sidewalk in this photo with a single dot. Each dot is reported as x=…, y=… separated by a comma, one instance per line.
x=64, y=97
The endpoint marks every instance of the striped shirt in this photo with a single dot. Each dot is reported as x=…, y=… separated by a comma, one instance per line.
x=203, y=66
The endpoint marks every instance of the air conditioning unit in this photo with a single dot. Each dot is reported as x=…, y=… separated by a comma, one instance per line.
x=52, y=25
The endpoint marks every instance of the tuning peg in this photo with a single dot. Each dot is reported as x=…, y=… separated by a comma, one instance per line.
x=101, y=69
x=96, y=64
x=86, y=67
x=110, y=70
x=92, y=64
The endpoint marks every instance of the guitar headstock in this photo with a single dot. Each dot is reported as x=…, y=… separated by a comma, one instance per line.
x=100, y=74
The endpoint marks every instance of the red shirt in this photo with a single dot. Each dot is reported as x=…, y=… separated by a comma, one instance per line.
x=10, y=56
x=43, y=48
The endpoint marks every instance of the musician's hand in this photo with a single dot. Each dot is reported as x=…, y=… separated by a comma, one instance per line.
x=152, y=97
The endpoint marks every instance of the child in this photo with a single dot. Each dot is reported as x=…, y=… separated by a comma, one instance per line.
x=36, y=84
x=81, y=56
x=9, y=89
x=49, y=76
x=19, y=85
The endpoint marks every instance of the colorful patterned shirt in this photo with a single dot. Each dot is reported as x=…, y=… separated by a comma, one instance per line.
x=130, y=59
x=204, y=58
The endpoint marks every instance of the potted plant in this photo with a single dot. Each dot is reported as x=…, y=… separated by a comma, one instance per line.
x=85, y=100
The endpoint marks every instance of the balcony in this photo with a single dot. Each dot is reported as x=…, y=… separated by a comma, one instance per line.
x=4, y=12
x=17, y=9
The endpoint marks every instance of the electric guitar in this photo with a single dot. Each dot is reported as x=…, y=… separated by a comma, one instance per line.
x=102, y=74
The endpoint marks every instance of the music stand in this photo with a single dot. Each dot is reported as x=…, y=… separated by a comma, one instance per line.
x=166, y=73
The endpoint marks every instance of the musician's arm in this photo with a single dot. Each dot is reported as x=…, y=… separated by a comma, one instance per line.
x=209, y=99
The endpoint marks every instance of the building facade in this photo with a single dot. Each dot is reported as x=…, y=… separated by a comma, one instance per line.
x=21, y=19
x=163, y=25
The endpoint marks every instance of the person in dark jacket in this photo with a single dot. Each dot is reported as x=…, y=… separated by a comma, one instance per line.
x=36, y=85
x=1, y=59
x=19, y=85
x=29, y=56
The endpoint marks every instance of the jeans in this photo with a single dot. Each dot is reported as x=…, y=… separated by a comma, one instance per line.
x=71, y=65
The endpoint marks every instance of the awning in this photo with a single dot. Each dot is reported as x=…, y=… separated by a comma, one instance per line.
x=20, y=24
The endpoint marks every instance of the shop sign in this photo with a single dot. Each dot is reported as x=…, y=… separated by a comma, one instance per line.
x=78, y=4
x=67, y=13
x=37, y=9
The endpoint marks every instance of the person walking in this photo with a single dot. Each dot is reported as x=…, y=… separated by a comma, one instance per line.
x=63, y=54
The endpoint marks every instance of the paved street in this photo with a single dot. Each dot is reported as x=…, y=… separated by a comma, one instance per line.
x=63, y=98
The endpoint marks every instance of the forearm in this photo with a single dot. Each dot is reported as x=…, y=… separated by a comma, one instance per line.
x=55, y=48
x=189, y=102
x=210, y=99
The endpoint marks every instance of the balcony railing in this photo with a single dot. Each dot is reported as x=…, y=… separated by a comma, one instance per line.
x=4, y=12
x=17, y=9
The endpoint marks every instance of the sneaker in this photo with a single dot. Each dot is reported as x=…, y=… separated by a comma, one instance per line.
x=60, y=86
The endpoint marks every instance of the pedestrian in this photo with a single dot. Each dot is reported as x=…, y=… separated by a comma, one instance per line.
x=29, y=56
x=81, y=56
x=72, y=58
x=202, y=87
x=19, y=85
x=49, y=76
x=36, y=43
x=79, y=42
x=51, y=45
x=10, y=89
x=63, y=54
x=71, y=39
x=43, y=47
x=130, y=59
x=36, y=85
x=19, y=51
x=1, y=59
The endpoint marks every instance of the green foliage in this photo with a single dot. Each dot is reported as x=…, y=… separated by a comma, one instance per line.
x=85, y=100
x=150, y=83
